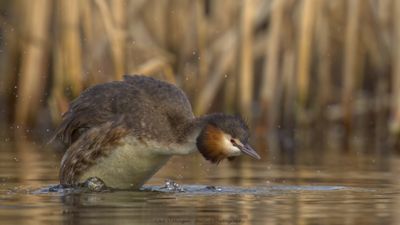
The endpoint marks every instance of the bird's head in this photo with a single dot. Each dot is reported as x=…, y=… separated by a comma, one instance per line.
x=224, y=136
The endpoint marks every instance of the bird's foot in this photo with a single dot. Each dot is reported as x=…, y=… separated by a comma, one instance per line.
x=94, y=184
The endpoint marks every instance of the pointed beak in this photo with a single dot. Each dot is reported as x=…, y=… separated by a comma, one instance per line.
x=249, y=151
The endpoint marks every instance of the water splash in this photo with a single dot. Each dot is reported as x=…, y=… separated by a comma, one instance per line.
x=171, y=185
x=93, y=184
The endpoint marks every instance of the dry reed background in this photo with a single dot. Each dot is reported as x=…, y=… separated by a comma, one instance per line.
x=302, y=71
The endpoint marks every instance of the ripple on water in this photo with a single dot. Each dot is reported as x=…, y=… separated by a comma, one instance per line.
x=230, y=190
x=172, y=187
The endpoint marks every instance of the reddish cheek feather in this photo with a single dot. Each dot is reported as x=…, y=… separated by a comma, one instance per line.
x=214, y=144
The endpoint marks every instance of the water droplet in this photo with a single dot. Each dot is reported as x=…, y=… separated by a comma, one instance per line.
x=194, y=52
x=15, y=159
x=226, y=75
x=47, y=130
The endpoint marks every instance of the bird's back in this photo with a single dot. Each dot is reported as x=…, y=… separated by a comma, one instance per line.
x=164, y=94
x=149, y=108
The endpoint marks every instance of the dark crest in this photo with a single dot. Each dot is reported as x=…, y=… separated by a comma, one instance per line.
x=230, y=124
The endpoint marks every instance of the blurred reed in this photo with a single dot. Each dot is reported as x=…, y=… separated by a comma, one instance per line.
x=32, y=74
x=285, y=65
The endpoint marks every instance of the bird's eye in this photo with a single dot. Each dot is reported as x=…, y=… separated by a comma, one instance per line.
x=233, y=141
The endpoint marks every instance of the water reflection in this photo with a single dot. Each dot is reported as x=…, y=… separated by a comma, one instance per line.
x=351, y=189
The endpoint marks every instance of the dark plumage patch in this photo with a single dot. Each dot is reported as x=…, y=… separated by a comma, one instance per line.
x=85, y=151
x=210, y=144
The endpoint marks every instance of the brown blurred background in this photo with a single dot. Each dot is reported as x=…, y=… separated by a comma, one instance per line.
x=306, y=74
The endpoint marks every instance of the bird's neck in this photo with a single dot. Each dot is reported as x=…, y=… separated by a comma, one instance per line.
x=187, y=133
x=191, y=130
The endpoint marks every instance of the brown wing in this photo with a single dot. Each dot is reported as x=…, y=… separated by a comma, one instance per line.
x=95, y=143
x=93, y=107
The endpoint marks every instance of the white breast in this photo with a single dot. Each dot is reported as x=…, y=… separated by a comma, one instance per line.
x=130, y=165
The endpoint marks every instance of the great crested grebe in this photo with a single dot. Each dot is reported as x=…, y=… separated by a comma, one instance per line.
x=124, y=131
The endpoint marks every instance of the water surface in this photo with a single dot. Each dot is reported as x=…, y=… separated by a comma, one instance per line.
x=350, y=189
